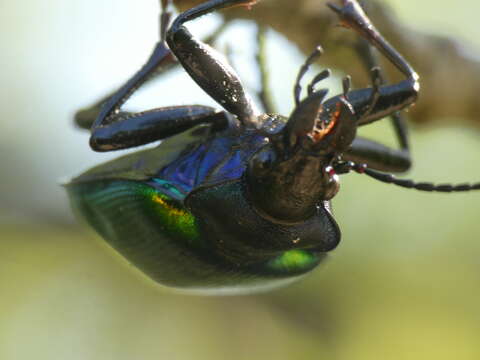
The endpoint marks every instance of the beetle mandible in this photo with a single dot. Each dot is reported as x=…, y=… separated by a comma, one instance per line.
x=237, y=200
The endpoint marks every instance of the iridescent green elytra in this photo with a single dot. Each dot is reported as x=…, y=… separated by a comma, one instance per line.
x=168, y=232
x=164, y=240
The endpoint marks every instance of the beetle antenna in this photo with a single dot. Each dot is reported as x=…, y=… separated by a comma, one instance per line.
x=303, y=70
x=345, y=167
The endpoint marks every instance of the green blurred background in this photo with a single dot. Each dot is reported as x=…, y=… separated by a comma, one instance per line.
x=403, y=284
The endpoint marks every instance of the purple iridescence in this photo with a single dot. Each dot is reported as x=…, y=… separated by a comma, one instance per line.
x=218, y=160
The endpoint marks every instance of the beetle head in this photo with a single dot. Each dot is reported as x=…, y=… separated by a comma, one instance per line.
x=293, y=174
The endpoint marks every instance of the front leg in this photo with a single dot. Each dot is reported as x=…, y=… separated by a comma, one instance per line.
x=206, y=67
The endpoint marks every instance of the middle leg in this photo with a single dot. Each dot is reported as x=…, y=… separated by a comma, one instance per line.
x=114, y=129
x=380, y=101
x=374, y=154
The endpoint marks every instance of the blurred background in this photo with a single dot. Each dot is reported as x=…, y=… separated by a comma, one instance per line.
x=403, y=284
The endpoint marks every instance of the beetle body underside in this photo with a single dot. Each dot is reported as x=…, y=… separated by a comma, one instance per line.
x=187, y=222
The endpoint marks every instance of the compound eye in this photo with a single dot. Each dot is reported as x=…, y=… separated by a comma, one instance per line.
x=263, y=160
x=332, y=183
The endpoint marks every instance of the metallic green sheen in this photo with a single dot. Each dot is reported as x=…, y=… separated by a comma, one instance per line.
x=293, y=261
x=156, y=234
x=176, y=221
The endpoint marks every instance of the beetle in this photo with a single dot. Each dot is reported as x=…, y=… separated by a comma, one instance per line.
x=237, y=200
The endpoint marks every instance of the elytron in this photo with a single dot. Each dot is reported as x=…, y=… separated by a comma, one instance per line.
x=238, y=199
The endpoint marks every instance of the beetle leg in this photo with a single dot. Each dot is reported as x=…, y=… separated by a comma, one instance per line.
x=388, y=99
x=381, y=100
x=157, y=124
x=206, y=66
x=160, y=62
x=376, y=155
x=106, y=109
x=112, y=129
x=352, y=16
x=370, y=61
